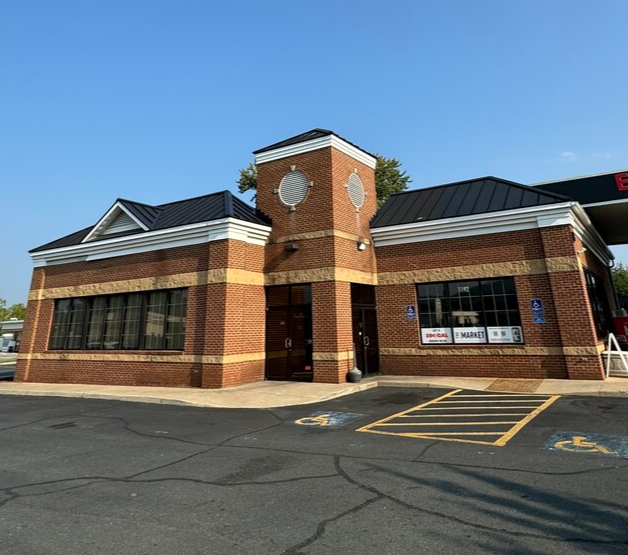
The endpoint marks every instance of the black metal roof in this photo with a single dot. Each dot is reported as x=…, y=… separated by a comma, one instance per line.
x=464, y=198
x=174, y=214
x=308, y=136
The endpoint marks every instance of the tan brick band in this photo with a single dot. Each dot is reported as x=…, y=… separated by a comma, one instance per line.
x=333, y=356
x=241, y=277
x=319, y=235
x=494, y=269
x=129, y=357
x=321, y=274
x=497, y=351
x=244, y=277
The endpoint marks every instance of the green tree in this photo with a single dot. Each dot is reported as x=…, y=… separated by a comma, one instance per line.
x=389, y=178
x=14, y=311
x=620, y=277
x=248, y=179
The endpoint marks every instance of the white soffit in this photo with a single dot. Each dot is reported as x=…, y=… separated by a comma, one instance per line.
x=204, y=232
x=567, y=213
x=316, y=144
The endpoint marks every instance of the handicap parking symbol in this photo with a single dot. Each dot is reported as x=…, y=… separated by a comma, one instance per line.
x=593, y=444
x=327, y=419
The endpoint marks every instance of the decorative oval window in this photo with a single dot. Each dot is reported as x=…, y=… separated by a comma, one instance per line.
x=293, y=188
x=356, y=190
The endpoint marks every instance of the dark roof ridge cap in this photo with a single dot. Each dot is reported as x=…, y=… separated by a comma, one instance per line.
x=227, y=198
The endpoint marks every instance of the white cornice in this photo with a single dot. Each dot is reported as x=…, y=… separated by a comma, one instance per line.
x=204, y=232
x=316, y=144
x=566, y=213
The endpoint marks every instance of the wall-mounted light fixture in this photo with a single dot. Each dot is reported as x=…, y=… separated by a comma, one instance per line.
x=361, y=246
x=291, y=247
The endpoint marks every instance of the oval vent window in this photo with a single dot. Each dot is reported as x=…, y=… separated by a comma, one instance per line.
x=356, y=190
x=293, y=188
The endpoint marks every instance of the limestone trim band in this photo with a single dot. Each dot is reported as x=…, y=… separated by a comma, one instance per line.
x=334, y=356
x=238, y=277
x=155, y=358
x=557, y=264
x=320, y=235
x=244, y=277
x=321, y=274
x=497, y=351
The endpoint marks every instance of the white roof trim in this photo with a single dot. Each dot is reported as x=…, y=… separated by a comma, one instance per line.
x=107, y=218
x=606, y=203
x=565, y=213
x=578, y=177
x=316, y=144
x=204, y=232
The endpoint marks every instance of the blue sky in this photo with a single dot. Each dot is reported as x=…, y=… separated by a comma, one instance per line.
x=161, y=100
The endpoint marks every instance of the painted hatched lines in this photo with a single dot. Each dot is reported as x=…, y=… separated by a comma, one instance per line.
x=487, y=419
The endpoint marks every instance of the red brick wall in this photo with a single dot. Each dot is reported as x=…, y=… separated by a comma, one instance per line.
x=567, y=313
x=219, y=319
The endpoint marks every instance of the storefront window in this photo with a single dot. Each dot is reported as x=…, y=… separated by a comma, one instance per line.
x=467, y=312
x=599, y=303
x=140, y=321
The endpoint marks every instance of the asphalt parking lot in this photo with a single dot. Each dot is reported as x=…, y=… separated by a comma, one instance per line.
x=99, y=477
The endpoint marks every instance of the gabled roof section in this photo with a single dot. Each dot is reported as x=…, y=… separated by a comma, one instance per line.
x=464, y=198
x=118, y=219
x=300, y=138
x=308, y=136
x=145, y=213
x=127, y=217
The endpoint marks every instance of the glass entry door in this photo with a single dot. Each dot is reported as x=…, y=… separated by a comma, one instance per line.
x=289, y=333
x=365, y=339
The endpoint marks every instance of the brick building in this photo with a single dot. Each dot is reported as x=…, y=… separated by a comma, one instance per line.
x=479, y=278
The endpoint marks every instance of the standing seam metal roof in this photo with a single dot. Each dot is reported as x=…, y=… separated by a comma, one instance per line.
x=214, y=206
x=464, y=198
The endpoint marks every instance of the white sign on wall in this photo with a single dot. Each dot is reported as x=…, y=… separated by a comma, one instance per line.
x=433, y=336
x=505, y=334
x=470, y=335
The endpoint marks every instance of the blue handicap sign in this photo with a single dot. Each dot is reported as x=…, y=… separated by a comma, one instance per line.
x=537, y=305
x=538, y=312
x=410, y=312
x=327, y=419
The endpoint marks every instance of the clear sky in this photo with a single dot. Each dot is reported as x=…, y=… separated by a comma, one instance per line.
x=157, y=100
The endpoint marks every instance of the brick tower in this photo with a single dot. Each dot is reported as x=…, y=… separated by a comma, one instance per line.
x=319, y=191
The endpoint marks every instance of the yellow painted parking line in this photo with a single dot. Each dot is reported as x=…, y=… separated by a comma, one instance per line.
x=507, y=395
x=445, y=425
x=458, y=415
x=476, y=408
x=501, y=401
x=448, y=423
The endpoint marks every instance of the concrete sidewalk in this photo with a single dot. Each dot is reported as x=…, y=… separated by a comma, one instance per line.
x=280, y=394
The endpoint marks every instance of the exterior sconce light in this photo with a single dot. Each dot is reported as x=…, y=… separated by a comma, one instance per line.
x=291, y=247
x=361, y=246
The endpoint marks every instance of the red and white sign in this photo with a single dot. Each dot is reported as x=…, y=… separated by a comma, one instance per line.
x=435, y=336
x=622, y=181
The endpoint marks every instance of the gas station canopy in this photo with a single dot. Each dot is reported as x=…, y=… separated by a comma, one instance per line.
x=604, y=198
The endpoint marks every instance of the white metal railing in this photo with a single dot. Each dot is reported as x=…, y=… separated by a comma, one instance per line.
x=612, y=341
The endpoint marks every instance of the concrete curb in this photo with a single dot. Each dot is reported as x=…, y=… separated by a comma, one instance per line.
x=562, y=389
